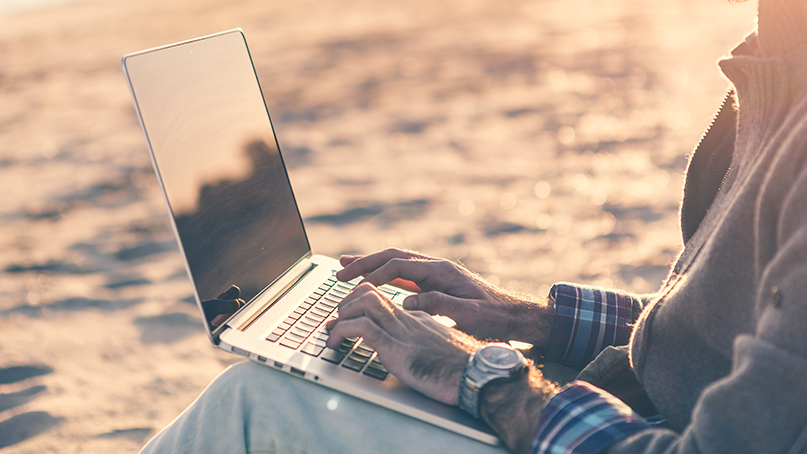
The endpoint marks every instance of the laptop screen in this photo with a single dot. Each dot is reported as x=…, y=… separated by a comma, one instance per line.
x=218, y=161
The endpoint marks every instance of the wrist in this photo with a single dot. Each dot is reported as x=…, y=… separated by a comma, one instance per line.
x=533, y=322
x=512, y=407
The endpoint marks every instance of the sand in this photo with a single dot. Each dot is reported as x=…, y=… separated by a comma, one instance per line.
x=534, y=140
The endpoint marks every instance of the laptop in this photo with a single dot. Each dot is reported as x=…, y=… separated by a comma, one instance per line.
x=240, y=232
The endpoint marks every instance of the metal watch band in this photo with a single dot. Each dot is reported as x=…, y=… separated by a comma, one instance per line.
x=469, y=393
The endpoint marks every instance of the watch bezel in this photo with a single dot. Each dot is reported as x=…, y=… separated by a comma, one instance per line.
x=514, y=355
x=479, y=372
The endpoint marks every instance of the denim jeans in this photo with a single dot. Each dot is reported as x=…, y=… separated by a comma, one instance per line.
x=253, y=408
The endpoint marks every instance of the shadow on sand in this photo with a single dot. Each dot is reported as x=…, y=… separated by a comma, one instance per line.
x=23, y=426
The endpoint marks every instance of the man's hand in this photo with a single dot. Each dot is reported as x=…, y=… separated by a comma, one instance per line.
x=449, y=289
x=422, y=353
x=431, y=358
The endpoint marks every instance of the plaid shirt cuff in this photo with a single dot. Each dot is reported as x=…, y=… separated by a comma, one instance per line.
x=587, y=320
x=584, y=419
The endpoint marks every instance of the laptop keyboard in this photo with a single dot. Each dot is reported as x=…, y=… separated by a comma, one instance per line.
x=304, y=329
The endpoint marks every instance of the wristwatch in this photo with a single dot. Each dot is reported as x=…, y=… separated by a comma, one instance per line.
x=488, y=363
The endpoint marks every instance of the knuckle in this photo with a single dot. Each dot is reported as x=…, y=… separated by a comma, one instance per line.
x=369, y=301
x=397, y=261
x=446, y=265
x=372, y=333
x=364, y=288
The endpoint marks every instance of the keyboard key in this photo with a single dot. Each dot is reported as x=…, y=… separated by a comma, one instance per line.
x=375, y=373
x=333, y=356
x=319, y=312
x=361, y=356
x=365, y=349
x=346, y=345
x=274, y=337
x=320, y=307
x=313, y=319
x=312, y=349
x=315, y=316
x=317, y=342
x=295, y=337
x=300, y=331
x=329, y=302
x=352, y=364
x=286, y=342
x=376, y=364
x=358, y=358
x=308, y=324
x=279, y=330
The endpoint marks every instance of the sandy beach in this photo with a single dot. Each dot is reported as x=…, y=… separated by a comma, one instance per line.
x=536, y=141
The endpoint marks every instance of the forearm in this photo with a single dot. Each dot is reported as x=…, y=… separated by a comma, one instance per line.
x=528, y=318
x=513, y=407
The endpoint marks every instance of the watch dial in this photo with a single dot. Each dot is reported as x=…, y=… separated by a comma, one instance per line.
x=499, y=357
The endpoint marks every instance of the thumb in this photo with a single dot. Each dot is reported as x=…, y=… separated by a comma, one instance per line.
x=434, y=303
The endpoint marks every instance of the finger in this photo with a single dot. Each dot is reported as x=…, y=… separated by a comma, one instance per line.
x=375, y=306
x=359, y=291
x=346, y=260
x=369, y=263
x=364, y=327
x=367, y=302
x=416, y=270
x=435, y=303
x=409, y=286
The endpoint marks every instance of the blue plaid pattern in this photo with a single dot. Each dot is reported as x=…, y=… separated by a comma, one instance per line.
x=587, y=320
x=584, y=419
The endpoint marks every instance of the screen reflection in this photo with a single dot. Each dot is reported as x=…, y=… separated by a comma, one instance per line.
x=216, y=155
x=242, y=232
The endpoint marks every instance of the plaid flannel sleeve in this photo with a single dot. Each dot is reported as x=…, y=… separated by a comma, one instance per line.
x=584, y=419
x=587, y=320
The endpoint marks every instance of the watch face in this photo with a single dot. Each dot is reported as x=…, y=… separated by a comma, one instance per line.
x=499, y=357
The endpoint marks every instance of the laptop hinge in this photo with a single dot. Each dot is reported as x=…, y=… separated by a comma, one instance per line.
x=241, y=321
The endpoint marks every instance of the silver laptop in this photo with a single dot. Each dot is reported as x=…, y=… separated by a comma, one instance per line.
x=237, y=224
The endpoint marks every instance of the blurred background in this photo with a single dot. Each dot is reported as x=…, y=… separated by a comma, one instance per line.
x=533, y=140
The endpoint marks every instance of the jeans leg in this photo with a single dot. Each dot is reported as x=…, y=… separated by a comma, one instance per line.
x=253, y=408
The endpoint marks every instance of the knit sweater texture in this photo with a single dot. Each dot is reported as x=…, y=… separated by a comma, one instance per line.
x=722, y=349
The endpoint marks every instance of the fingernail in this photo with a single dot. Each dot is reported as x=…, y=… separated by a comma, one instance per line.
x=410, y=303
